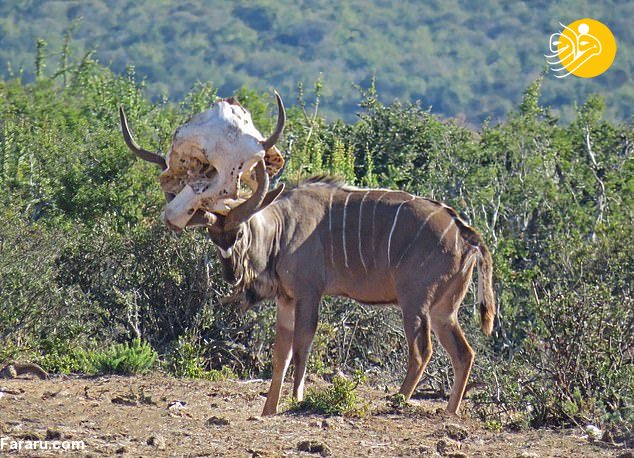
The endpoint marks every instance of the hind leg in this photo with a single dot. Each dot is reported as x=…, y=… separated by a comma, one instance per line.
x=451, y=337
x=417, y=332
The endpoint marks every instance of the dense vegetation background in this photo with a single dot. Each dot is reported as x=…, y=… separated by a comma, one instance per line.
x=469, y=60
x=85, y=263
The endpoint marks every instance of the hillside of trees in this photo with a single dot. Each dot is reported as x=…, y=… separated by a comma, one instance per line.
x=85, y=263
x=467, y=60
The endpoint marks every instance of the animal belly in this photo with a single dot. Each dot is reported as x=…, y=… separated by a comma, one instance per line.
x=368, y=290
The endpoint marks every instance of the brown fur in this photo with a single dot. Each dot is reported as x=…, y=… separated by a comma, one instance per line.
x=14, y=370
x=374, y=246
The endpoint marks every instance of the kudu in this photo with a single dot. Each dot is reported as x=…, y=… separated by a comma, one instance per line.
x=375, y=246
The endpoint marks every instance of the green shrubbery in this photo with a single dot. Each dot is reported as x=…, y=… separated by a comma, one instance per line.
x=340, y=398
x=125, y=359
x=187, y=360
x=86, y=264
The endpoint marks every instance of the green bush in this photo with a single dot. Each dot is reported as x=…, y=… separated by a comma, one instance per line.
x=187, y=360
x=124, y=359
x=340, y=398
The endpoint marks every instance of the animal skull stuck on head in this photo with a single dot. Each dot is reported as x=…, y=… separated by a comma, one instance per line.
x=210, y=155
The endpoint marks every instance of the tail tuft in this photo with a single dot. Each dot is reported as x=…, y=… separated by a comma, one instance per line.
x=486, y=296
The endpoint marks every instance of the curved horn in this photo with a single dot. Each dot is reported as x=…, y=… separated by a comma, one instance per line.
x=243, y=212
x=202, y=218
x=281, y=120
x=136, y=149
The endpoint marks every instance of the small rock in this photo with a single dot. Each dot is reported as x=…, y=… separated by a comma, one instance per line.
x=594, y=433
x=423, y=450
x=444, y=447
x=262, y=453
x=217, y=421
x=124, y=401
x=456, y=432
x=527, y=455
x=628, y=454
x=325, y=424
x=253, y=418
x=157, y=442
x=314, y=447
x=30, y=436
x=53, y=434
x=175, y=405
x=457, y=455
x=121, y=450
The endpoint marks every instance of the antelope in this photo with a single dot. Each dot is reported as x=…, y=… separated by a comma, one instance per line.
x=375, y=246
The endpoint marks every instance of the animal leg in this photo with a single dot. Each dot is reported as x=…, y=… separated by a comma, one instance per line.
x=281, y=353
x=306, y=318
x=451, y=337
x=417, y=332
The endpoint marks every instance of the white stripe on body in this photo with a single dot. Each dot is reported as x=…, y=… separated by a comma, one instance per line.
x=449, y=226
x=455, y=215
x=376, y=202
x=420, y=231
x=360, y=213
x=343, y=236
x=332, y=249
x=457, y=235
x=389, y=240
x=451, y=223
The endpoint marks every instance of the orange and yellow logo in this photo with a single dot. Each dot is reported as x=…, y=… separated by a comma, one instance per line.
x=584, y=48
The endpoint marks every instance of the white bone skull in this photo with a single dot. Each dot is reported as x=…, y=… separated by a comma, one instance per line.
x=209, y=156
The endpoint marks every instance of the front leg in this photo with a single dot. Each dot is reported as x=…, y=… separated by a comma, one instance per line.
x=281, y=352
x=306, y=318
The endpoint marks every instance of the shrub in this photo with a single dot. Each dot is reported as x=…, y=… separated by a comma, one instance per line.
x=187, y=360
x=340, y=398
x=124, y=359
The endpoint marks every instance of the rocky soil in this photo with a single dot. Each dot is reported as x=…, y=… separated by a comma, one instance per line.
x=163, y=416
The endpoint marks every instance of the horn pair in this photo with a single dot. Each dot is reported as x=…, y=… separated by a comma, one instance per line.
x=160, y=160
x=244, y=211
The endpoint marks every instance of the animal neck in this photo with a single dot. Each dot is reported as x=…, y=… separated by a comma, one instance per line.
x=253, y=253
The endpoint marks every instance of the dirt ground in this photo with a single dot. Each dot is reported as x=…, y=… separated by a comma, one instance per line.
x=164, y=416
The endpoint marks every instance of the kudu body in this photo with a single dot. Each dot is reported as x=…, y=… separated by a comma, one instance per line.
x=375, y=246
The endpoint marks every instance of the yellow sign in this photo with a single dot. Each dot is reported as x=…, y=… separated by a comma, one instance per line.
x=585, y=48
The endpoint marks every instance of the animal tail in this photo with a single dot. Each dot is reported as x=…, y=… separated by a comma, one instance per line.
x=486, y=297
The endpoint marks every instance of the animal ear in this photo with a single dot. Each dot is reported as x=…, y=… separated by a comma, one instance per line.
x=274, y=161
x=271, y=196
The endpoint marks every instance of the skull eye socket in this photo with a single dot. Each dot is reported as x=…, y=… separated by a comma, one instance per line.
x=210, y=171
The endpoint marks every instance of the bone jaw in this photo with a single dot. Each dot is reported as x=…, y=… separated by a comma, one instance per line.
x=180, y=210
